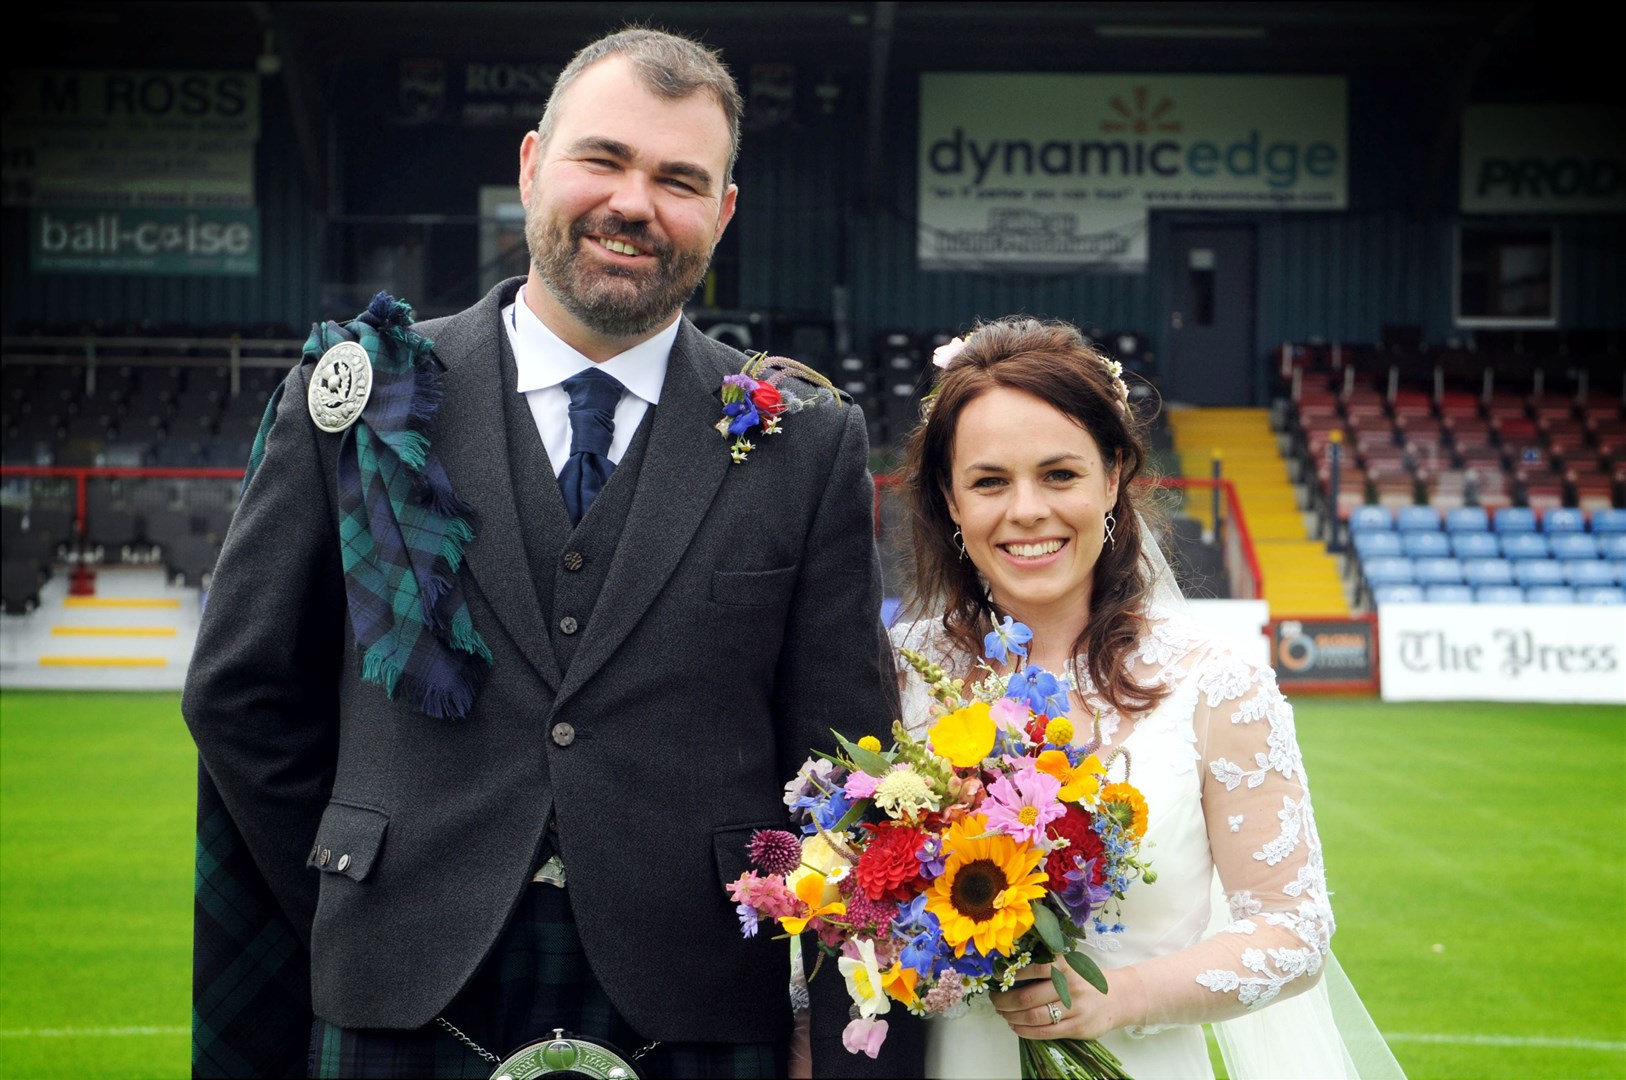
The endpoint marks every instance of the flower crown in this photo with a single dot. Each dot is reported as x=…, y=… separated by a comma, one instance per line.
x=947, y=353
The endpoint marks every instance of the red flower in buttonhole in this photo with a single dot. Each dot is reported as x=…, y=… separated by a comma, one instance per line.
x=767, y=399
x=888, y=867
x=1074, y=826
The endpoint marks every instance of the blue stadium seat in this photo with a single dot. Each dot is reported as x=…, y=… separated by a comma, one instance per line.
x=1589, y=572
x=1609, y=521
x=1487, y=571
x=1388, y=571
x=1398, y=594
x=1380, y=544
x=1574, y=545
x=1472, y=545
x=1498, y=594
x=1515, y=519
x=1448, y=594
x=1611, y=545
x=1563, y=519
x=1417, y=519
x=1425, y=545
x=1370, y=518
x=1525, y=546
x=1445, y=571
x=1600, y=594
x=1528, y=572
x=1549, y=594
x=1467, y=519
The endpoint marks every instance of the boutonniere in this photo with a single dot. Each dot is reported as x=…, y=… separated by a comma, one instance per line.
x=759, y=395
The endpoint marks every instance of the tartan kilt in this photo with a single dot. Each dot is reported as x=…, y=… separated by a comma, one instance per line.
x=536, y=979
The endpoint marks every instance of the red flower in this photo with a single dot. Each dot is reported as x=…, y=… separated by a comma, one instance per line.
x=1036, y=729
x=888, y=867
x=1074, y=825
x=767, y=400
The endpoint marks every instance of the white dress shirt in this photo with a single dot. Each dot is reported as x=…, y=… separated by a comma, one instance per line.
x=545, y=362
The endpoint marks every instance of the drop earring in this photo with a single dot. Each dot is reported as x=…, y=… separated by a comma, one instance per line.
x=959, y=542
x=1111, y=521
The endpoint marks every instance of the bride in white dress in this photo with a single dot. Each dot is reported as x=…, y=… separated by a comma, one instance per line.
x=1021, y=478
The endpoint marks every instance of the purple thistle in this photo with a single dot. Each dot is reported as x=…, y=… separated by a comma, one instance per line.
x=775, y=851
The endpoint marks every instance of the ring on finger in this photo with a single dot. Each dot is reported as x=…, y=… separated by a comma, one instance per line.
x=1055, y=1013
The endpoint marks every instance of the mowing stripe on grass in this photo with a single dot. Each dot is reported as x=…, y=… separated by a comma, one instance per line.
x=1543, y=1041
x=57, y=1033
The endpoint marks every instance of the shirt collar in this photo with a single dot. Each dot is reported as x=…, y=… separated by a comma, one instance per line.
x=544, y=360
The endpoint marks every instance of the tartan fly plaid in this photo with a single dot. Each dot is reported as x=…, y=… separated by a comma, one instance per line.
x=401, y=528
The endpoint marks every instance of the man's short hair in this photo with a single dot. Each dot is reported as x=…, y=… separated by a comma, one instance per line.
x=669, y=65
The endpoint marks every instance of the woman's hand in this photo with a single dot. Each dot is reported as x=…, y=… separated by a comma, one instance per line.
x=1034, y=1010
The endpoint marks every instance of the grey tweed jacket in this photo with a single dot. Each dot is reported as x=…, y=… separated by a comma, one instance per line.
x=736, y=626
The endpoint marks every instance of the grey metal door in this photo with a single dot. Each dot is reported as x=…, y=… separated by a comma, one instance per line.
x=1209, y=286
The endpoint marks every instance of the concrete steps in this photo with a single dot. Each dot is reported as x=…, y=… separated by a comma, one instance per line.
x=135, y=633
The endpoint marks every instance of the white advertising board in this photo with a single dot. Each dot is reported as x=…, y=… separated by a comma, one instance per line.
x=1503, y=652
x=1547, y=159
x=1047, y=171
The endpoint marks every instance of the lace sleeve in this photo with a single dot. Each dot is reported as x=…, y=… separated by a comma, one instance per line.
x=1261, y=832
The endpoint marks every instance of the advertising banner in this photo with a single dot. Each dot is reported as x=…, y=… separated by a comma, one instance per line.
x=1047, y=171
x=1497, y=652
x=474, y=93
x=124, y=241
x=110, y=139
x=1546, y=159
x=1325, y=654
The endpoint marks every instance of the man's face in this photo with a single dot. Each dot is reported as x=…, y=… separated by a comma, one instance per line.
x=626, y=201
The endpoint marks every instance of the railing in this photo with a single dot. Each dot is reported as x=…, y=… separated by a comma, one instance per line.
x=81, y=475
x=93, y=351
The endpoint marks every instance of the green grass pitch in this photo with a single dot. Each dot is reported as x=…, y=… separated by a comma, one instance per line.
x=1475, y=851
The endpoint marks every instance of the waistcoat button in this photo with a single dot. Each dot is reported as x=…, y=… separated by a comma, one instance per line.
x=573, y=560
x=564, y=734
x=567, y=624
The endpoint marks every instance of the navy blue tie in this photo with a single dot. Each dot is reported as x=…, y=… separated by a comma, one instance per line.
x=593, y=397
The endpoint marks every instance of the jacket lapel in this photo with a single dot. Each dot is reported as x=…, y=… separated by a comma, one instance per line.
x=470, y=439
x=684, y=465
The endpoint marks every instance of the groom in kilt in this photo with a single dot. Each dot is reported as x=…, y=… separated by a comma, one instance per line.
x=526, y=616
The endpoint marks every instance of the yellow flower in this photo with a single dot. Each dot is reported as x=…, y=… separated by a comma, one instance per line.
x=1127, y=807
x=899, y=982
x=1079, y=783
x=986, y=891
x=809, y=888
x=870, y=743
x=863, y=977
x=1059, y=731
x=964, y=736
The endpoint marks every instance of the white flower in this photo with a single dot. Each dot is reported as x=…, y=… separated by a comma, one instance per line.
x=944, y=354
x=864, y=981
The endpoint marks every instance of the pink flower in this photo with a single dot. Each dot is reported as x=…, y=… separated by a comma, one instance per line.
x=944, y=354
x=864, y=1036
x=860, y=785
x=1021, y=806
x=1011, y=715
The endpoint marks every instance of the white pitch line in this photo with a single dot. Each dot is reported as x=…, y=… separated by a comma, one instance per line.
x=1542, y=1041
x=59, y=1033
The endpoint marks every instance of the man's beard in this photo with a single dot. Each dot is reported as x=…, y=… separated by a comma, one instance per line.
x=611, y=300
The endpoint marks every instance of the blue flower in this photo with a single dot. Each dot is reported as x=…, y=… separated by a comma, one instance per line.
x=1012, y=637
x=931, y=860
x=826, y=810
x=1081, y=894
x=973, y=963
x=743, y=416
x=1040, y=691
x=748, y=919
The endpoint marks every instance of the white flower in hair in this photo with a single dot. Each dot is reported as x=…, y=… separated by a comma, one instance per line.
x=944, y=354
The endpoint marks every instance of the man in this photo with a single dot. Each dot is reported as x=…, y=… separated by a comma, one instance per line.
x=668, y=631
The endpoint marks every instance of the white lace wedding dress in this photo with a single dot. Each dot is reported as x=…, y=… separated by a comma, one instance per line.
x=1238, y=917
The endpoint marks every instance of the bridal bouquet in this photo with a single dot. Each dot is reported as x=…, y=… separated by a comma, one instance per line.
x=936, y=869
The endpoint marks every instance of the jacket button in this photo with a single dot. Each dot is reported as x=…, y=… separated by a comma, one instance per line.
x=573, y=560
x=567, y=624
x=327, y=854
x=344, y=863
x=564, y=734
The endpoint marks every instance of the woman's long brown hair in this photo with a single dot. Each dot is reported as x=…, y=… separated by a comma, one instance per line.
x=1052, y=361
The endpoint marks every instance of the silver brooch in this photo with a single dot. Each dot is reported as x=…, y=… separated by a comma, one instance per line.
x=340, y=386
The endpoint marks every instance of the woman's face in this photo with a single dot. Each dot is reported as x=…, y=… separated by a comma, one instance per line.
x=1030, y=492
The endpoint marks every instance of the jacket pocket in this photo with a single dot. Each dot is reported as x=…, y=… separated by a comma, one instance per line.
x=753, y=588
x=348, y=840
x=728, y=848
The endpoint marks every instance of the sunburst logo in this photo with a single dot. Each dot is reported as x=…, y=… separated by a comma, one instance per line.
x=1144, y=117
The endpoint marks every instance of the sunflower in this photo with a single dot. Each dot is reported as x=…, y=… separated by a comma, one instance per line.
x=986, y=891
x=1124, y=804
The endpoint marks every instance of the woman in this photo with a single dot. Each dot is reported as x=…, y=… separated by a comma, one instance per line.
x=1022, y=480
